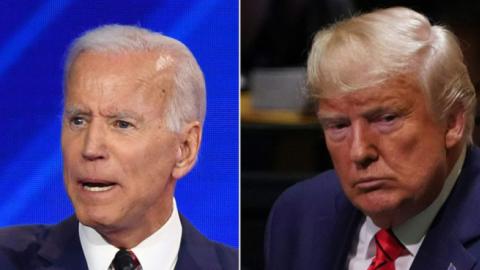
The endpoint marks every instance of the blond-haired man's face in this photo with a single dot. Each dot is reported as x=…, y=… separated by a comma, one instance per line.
x=390, y=153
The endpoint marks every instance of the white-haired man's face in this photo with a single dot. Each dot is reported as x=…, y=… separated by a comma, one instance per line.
x=391, y=154
x=121, y=162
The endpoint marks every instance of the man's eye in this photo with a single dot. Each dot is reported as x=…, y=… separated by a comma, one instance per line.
x=336, y=131
x=339, y=125
x=122, y=124
x=336, y=125
x=388, y=122
x=77, y=121
x=389, y=117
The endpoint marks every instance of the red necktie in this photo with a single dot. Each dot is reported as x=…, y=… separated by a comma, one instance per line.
x=388, y=250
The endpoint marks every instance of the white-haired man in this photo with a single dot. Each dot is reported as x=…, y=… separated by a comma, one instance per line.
x=397, y=108
x=132, y=126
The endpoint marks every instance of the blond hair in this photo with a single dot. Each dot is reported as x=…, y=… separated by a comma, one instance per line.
x=370, y=49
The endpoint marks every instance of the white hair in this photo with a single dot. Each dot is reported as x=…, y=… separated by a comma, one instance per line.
x=370, y=49
x=188, y=102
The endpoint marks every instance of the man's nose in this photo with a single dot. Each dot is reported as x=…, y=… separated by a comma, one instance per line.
x=94, y=145
x=363, y=148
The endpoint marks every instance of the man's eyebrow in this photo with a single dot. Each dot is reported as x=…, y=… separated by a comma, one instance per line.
x=374, y=112
x=123, y=115
x=331, y=118
x=392, y=107
x=329, y=113
x=73, y=110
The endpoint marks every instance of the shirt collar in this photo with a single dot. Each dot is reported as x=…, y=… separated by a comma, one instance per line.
x=158, y=251
x=412, y=232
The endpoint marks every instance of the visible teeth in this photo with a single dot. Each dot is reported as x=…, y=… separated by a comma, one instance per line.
x=97, y=189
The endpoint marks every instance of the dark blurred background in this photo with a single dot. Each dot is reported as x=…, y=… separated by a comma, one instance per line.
x=281, y=140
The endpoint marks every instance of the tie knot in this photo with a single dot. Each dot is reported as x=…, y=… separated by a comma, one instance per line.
x=389, y=245
x=388, y=249
x=125, y=260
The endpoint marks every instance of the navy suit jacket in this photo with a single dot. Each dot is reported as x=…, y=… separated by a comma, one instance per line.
x=313, y=226
x=58, y=247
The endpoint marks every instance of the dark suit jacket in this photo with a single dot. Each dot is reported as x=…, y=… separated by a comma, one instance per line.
x=313, y=226
x=58, y=247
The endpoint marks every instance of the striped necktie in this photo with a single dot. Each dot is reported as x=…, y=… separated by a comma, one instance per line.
x=125, y=260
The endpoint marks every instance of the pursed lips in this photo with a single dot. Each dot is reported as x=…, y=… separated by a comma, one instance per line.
x=369, y=183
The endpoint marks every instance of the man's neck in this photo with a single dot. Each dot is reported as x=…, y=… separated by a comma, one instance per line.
x=131, y=235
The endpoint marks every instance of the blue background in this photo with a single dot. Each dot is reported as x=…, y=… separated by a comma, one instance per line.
x=34, y=36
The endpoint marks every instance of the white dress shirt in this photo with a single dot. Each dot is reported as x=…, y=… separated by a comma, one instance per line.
x=411, y=233
x=157, y=252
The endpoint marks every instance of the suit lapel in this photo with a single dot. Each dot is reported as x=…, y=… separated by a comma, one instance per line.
x=196, y=252
x=345, y=230
x=453, y=237
x=61, y=248
x=439, y=251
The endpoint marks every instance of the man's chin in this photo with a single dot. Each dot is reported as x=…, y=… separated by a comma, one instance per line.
x=97, y=220
x=384, y=211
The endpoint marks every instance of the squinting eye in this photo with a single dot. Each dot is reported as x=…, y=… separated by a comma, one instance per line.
x=339, y=126
x=335, y=126
x=336, y=131
x=389, y=117
x=122, y=124
x=388, y=122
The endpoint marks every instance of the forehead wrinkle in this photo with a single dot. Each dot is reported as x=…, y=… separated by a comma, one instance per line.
x=114, y=112
x=145, y=86
x=365, y=102
x=400, y=83
x=386, y=104
x=362, y=99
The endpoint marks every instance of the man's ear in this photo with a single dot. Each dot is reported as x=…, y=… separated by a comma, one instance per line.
x=188, y=148
x=456, y=121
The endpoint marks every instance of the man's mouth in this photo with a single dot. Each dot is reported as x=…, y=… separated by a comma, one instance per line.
x=95, y=186
x=370, y=183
